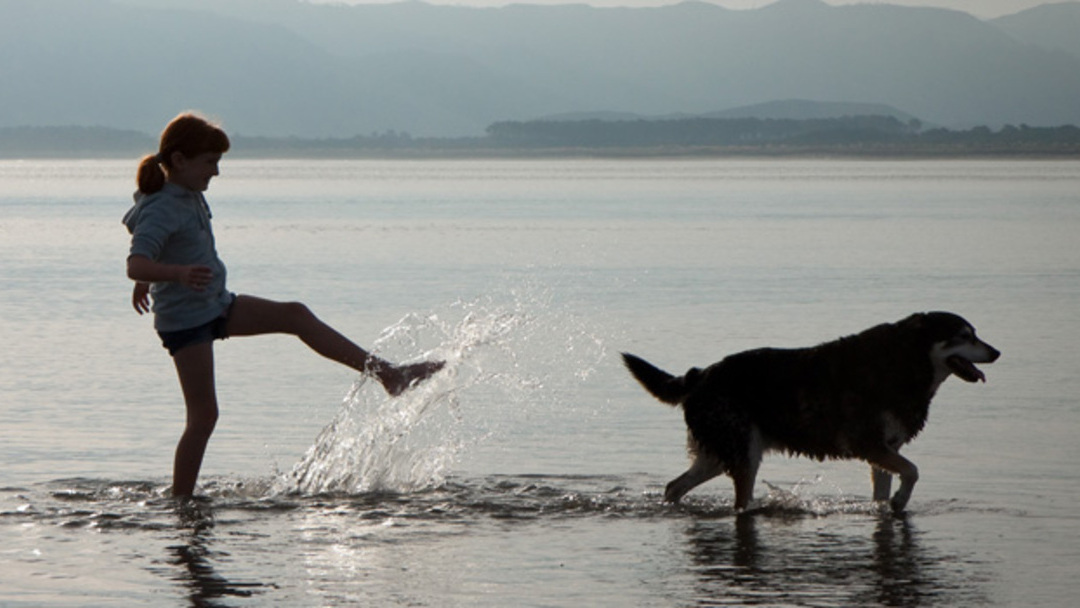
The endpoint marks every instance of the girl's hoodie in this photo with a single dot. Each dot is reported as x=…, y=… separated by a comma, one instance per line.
x=172, y=226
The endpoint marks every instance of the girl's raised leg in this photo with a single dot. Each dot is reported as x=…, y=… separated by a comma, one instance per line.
x=254, y=316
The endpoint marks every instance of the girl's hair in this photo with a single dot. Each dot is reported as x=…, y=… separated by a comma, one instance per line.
x=188, y=134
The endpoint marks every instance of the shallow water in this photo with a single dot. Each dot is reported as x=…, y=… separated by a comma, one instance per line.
x=497, y=540
x=530, y=471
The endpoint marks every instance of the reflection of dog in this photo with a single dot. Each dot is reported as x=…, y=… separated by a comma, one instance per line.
x=862, y=396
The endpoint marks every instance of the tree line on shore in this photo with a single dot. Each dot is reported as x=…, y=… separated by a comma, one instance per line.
x=850, y=135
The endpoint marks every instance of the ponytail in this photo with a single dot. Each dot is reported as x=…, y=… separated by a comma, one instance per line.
x=188, y=134
x=150, y=177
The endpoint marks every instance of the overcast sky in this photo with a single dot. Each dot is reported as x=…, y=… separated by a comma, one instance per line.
x=979, y=8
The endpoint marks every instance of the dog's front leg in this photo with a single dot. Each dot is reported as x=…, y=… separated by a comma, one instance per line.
x=908, y=472
x=882, y=481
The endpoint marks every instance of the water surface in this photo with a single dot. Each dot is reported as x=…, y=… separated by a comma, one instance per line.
x=530, y=472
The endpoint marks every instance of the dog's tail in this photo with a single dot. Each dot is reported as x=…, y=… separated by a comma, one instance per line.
x=665, y=387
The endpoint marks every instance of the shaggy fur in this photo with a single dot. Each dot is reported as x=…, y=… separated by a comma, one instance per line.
x=863, y=396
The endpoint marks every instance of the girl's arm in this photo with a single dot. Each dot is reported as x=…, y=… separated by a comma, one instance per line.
x=144, y=270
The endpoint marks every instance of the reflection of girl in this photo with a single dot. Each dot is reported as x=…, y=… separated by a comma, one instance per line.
x=174, y=261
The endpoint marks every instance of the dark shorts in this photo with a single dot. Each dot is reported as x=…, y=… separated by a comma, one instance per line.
x=207, y=332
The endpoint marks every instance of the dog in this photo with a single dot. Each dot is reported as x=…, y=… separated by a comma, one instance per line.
x=859, y=397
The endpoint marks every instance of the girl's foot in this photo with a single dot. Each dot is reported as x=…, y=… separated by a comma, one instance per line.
x=400, y=378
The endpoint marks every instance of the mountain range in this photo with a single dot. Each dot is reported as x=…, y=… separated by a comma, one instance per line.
x=289, y=68
x=790, y=109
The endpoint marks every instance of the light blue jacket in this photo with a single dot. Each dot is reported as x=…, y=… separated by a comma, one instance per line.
x=172, y=226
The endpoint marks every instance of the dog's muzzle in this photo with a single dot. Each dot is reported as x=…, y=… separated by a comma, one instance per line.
x=965, y=369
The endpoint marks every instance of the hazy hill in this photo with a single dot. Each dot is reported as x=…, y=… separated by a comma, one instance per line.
x=802, y=109
x=1051, y=26
x=282, y=67
x=787, y=109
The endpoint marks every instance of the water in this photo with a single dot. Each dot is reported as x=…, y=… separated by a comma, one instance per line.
x=530, y=471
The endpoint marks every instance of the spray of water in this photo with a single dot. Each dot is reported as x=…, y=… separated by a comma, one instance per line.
x=506, y=352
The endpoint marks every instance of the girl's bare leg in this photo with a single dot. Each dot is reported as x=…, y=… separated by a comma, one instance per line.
x=195, y=368
x=253, y=316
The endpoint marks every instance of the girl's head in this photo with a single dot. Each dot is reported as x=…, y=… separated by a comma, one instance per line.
x=185, y=137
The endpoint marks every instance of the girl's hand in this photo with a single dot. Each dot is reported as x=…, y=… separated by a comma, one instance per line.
x=140, y=297
x=195, y=277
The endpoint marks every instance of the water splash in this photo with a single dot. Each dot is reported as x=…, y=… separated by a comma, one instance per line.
x=509, y=352
x=805, y=498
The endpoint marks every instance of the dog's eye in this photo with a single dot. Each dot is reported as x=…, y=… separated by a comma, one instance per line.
x=962, y=338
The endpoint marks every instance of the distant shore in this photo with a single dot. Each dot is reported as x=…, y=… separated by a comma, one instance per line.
x=673, y=152
x=897, y=153
x=849, y=137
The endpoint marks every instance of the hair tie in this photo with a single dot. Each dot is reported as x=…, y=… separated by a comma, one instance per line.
x=159, y=158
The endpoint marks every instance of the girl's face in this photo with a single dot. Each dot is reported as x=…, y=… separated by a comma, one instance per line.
x=194, y=173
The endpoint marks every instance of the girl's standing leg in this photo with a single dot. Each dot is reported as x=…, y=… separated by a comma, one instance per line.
x=195, y=368
x=251, y=316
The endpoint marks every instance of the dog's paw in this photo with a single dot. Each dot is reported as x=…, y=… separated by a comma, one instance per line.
x=898, y=503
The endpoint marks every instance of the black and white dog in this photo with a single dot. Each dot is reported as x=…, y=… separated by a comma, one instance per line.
x=863, y=396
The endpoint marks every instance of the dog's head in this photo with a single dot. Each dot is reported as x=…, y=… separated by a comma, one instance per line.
x=954, y=347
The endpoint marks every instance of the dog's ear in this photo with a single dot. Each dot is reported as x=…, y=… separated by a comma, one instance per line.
x=915, y=321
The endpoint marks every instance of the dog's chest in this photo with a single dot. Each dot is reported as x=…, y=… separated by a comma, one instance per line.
x=941, y=373
x=897, y=430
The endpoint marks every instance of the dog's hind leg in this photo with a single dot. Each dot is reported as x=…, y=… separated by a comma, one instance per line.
x=908, y=472
x=744, y=478
x=882, y=481
x=745, y=473
x=703, y=469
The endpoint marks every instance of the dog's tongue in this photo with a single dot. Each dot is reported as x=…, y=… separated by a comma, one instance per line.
x=965, y=369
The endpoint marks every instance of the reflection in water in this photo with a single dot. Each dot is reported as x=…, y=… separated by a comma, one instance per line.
x=194, y=560
x=901, y=580
x=414, y=548
x=789, y=559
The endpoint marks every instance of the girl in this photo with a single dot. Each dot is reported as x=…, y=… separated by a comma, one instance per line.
x=174, y=261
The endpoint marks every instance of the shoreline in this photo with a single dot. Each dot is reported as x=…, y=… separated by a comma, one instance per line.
x=849, y=137
x=658, y=153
